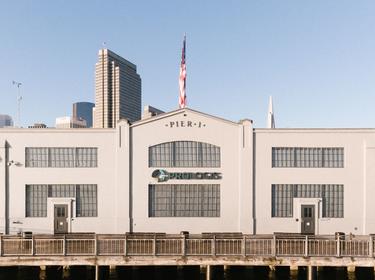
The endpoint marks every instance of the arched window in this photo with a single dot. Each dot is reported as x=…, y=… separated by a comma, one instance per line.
x=184, y=154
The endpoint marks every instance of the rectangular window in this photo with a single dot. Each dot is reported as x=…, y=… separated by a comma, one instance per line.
x=332, y=198
x=184, y=200
x=37, y=195
x=307, y=157
x=86, y=201
x=36, y=157
x=61, y=157
x=36, y=200
x=61, y=190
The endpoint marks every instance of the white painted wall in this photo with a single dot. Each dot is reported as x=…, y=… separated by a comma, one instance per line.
x=357, y=176
x=104, y=176
x=236, y=169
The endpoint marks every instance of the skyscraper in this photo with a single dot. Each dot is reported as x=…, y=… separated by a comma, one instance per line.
x=6, y=120
x=83, y=110
x=117, y=90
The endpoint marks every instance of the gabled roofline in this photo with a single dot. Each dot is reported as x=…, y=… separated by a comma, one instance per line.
x=180, y=111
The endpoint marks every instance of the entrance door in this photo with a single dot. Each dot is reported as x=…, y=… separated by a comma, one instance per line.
x=308, y=219
x=60, y=218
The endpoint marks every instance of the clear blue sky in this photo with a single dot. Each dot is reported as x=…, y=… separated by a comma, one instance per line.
x=316, y=58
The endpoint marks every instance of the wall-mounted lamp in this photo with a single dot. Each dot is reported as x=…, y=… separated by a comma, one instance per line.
x=12, y=162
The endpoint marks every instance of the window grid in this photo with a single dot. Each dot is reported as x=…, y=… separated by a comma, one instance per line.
x=36, y=200
x=86, y=201
x=184, y=200
x=332, y=198
x=301, y=157
x=85, y=194
x=61, y=157
x=184, y=154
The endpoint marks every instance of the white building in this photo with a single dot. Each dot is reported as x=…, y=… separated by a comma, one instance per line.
x=187, y=171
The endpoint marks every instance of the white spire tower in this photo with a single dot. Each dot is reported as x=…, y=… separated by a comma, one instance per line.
x=270, y=116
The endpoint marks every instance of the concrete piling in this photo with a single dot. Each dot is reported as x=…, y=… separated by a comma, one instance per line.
x=309, y=272
x=42, y=272
x=66, y=272
x=96, y=272
x=208, y=272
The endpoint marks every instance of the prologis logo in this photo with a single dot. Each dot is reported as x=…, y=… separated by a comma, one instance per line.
x=161, y=175
x=164, y=176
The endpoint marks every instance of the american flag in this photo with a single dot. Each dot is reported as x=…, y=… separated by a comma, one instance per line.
x=182, y=78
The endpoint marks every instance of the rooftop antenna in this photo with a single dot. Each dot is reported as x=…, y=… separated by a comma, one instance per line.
x=270, y=116
x=19, y=98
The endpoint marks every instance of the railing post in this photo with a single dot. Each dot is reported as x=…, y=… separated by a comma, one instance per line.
x=214, y=245
x=64, y=246
x=32, y=246
x=183, y=245
x=243, y=247
x=126, y=245
x=338, y=246
x=273, y=249
x=306, y=246
x=96, y=245
x=371, y=247
x=154, y=245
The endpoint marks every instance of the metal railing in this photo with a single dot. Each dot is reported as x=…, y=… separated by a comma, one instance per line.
x=185, y=245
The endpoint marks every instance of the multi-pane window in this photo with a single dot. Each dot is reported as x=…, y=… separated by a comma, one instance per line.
x=188, y=200
x=61, y=157
x=86, y=198
x=86, y=201
x=184, y=154
x=307, y=157
x=61, y=190
x=36, y=157
x=36, y=200
x=332, y=198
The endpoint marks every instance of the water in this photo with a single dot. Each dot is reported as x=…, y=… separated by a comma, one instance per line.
x=180, y=273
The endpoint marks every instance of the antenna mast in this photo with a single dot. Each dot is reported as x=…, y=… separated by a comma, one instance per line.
x=19, y=98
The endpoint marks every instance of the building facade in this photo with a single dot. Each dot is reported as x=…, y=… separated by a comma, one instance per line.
x=117, y=90
x=187, y=171
x=83, y=111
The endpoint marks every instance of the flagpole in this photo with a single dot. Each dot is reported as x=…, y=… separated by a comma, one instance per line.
x=182, y=77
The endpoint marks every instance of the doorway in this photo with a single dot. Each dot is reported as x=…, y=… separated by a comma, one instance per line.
x=308, y=219
x=60, y=218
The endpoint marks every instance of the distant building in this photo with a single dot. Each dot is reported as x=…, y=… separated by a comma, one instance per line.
x=6, y=120
x=70, y=122
x=38, y=125
x=83, y=110
x=117, y=90
x=149, y=111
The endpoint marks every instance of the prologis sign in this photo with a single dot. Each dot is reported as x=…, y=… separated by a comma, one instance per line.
x=163, y=175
